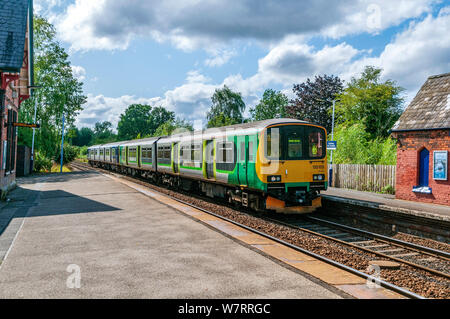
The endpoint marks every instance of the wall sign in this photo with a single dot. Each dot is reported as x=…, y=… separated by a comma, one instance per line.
x=440, y=165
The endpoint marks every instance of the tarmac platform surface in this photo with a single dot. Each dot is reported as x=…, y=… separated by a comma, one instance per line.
x=389, y=202
x=126, y=245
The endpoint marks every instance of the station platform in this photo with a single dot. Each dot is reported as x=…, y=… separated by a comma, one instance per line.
x=127, y=245
x=388, y=203
x=122, y=240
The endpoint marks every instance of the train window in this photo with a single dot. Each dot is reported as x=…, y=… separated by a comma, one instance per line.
x=273, y=143
x=196, y=153
x=225, y=156
x=294, y=147
x=164, y=154
x=295, y=142
x=251, y=157
x=316, y=143
x=242, y=157
x=146, y=154
x=167, y=150
x=132, y=154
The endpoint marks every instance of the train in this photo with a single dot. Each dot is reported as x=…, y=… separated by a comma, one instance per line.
x=277, y=165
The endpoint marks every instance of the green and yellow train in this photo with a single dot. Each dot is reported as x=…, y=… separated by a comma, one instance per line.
x=277, y=165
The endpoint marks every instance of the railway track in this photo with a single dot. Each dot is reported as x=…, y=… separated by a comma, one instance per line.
x=426, y=259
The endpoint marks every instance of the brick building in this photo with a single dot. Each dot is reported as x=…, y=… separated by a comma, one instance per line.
x=16, y=78
x=423, y=147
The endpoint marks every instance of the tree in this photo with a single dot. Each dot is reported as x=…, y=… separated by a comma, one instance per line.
x=83, y=137
x=60, y=92
x=272, y=105
x=375, y=104
x=314, y=100
x=135, y=120
x=227, y=108
x=142, y=119
x=103, y=133
x=173, y=127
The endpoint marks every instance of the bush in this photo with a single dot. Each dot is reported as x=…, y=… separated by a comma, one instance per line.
x=70, y=154
x=354, y=146
x=42, y=164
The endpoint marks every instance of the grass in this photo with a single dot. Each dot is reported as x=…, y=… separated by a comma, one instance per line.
x=56, y=169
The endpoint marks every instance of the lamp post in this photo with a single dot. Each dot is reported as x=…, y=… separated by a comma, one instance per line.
x=62, y=143
x=330, y=171
x=34, y=129
x=330, y=174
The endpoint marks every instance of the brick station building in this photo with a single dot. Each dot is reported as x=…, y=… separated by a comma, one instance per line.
x=16, y=78
x=423, y=147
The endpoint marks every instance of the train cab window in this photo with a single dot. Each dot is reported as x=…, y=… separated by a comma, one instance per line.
x=295, y=142
x=316, y=144
x=294, y=147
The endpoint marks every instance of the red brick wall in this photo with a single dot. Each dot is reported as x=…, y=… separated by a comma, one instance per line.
x=408, y=148
x=7, y=180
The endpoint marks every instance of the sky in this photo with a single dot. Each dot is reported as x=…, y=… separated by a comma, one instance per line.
x=176, y=53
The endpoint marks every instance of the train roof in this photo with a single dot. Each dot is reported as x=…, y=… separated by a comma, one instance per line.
x=237, y=129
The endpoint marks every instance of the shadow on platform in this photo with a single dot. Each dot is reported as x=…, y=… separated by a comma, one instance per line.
x=47, y=203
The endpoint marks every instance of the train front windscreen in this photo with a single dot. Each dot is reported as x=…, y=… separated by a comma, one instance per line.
x=295, y=142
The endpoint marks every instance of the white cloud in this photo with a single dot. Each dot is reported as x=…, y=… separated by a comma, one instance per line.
x=190, y=24
x=79, y=72
x=220, y=57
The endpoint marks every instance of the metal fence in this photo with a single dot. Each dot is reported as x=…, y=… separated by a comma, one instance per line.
x=372, y=178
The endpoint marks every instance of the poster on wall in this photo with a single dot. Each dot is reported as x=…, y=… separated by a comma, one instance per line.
x=440, y=165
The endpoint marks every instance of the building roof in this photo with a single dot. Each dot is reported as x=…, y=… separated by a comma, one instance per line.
x=430, y=109
x=13, y=25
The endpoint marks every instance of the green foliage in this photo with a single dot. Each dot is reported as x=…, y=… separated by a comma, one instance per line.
x=356, y=147
x=315, y=99
x=83, y=151
x=368, y=101
x=272, y=105
x=70, y=154
x=103, y=133
x=60, y=93
x=173, y=127
x=42, y=163
x=227, y=108
x=388, y=189
x=142, y=119
x=83, y=136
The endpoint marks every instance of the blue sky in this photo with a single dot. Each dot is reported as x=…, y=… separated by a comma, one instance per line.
x=176, y=53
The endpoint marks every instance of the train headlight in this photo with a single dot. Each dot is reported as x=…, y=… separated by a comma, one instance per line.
x=319, y=177
x=273, y=178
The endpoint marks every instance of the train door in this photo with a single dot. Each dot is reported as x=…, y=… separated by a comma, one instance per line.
x=209, y=159
x=242, y=159
x=176, y=157
x=251, y=153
